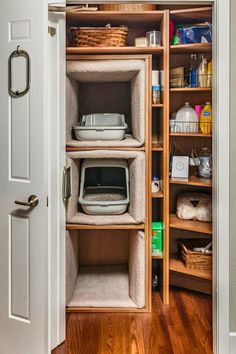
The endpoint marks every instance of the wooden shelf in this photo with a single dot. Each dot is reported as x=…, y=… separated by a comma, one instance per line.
x=194, y=181
x=158, y=257
x=191, y=48
x=176, y=265
x=191, y=89
x=196, y=135
x=157, y=147
x=158, y=195
x=86, y=148
x=104, y=227
x=101, y=18
x=114, y=50
x=158, y=105
x=190, y=225
x=192, y=15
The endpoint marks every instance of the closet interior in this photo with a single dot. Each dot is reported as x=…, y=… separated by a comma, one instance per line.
x=138, y=181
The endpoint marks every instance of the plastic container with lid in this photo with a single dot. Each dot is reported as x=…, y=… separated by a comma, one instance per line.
x=104, y=186
x=101, y=126
x=157, y=242
x=153, y=38
x=186, y=120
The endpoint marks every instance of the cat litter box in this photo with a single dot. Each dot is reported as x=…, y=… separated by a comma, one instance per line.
x=104, y=187
x=101, y=126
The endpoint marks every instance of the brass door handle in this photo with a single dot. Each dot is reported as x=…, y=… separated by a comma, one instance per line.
x=32, y=202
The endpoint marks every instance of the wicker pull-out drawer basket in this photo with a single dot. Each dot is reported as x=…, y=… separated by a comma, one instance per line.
x=100, y=36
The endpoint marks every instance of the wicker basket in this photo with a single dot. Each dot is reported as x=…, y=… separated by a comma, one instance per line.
x=127, y=7
x=100, y=36
x=194, y=260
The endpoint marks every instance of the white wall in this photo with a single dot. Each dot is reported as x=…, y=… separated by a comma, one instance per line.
x=233, y=172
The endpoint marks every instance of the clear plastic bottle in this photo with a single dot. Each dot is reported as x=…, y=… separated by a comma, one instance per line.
x=202, y=72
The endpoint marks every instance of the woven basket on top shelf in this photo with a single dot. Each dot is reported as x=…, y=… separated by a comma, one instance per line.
x=127, y=7
x=100, y=36
x=194, y=260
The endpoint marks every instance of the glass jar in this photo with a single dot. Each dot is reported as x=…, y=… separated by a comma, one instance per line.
x=205, y=167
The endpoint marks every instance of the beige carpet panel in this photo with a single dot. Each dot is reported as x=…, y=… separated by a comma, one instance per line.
x=105, y=268
x=110, y=86
x=136, y=210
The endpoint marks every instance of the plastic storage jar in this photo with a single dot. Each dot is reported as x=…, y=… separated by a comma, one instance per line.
x=153, y=38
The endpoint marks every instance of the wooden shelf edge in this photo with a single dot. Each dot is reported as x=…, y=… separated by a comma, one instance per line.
x=158, y=105
x=190, y=10
x=196, y=135
x=191, y=48
x=191, y=89
x=190, y=225
x=86, y=148
x=158, y=195
x=157, y=256
x=106, y=309
x=114, y=50
x=176, y=265
x=194, y=181
x=104, y=227
x=157, y=147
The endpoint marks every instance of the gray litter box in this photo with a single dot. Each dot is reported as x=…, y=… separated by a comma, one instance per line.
x=101, y=126
x=104, y=186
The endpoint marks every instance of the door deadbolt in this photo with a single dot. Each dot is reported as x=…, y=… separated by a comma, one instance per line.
x=32, y=202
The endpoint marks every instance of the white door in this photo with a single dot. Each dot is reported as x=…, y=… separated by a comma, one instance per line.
x=24, y=241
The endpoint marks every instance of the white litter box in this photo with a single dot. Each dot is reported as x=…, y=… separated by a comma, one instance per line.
x=104, y=186
x=101, y=126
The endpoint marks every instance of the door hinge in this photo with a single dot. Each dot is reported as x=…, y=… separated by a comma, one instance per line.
x=47, y=201
x=52, y=31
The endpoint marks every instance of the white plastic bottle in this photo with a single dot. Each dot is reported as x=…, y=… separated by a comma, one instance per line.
x=186, y=120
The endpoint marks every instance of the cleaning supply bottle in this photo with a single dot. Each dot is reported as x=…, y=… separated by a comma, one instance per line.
x=202, y=72
x=193, y=73
x=206, y=119
x=209, y=74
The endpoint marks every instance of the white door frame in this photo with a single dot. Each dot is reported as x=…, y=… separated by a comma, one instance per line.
x=221, y=99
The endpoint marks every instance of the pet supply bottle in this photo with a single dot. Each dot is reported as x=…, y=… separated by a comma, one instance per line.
x=206, y=119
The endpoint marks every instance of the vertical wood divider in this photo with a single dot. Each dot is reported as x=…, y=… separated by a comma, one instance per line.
x=166, y=60
x=148, y=149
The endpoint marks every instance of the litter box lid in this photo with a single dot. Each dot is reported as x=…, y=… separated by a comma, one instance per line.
x=104, y=120
x=104, y=163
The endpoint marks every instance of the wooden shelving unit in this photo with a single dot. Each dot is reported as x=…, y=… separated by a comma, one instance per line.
x=180, y=56
x=158, y=137
x=190, y=225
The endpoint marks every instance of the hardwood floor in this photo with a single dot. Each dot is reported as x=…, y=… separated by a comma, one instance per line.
x=183, y=327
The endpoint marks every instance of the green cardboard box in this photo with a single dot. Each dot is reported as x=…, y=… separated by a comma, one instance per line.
x=157, y=242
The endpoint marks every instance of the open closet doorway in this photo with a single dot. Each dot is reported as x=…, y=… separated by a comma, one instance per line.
x=163, y=248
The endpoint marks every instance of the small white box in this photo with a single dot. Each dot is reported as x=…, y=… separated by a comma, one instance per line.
x=155, y=77
x=180, y=167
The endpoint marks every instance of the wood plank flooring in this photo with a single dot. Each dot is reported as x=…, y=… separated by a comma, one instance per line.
x=183, y=327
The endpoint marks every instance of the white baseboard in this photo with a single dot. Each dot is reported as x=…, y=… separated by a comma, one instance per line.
x=232, y=343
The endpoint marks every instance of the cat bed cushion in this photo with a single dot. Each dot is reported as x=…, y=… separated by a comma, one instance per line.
x=194, y=206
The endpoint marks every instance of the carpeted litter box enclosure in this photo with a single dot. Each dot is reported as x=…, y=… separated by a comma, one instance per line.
x=135, y=214
x=105, y=268
x=107, y=86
